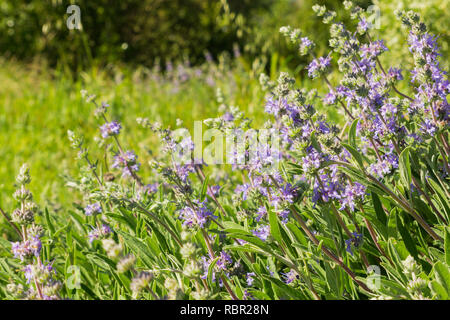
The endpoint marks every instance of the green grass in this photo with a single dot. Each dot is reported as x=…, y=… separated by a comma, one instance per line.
x=39, y=107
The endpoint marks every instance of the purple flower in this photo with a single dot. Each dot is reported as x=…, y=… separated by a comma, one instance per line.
x=110, y=129
x=352, y=193
x=93, y=209
x=250, y=279
x=262, y=232
x=328, y=189
x=261, y=213
x=32, y=271
x=388, y=110
x=223, y=261
x=186, y=144
x=395, y=73
x=198, y=217
x=355, y=241
x=288, y=193
x=26, y=249
x=127, y=162
x=306, y=42
x=318, y=66
x=243, y=190
x=305, y=45
x=373, y=49
x=428, y=127
x=307, y=129
x=381, y=168
x=330, y=98
x=152, y=188
x=290, y=276
x=228, y=117
x=214, y=190
x=99, y=233
x=363, y=25
x=275, y=107
x=284, y=214
x=183, y=171
x=247, y=296
x=35, y=245
x=311, y=161
x=28, y=272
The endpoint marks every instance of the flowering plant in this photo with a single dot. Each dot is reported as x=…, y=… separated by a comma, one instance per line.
x=318, y=211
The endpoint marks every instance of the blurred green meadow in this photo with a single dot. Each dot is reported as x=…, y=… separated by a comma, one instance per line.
x=40, y=106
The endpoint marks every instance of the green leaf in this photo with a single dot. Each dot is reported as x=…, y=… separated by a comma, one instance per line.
x=275, y=227
x=123, y=220
x=297, y=233
x=381, y=215
x=250, y=248
x=289, y=291
x=211, y=270
x=352, y=133
x=49, y=222
x=204, y=188
x=439, y=290
x=356, y=155
x=447, y=246
x=442, y=274
x=100, y=260
x=89, y=291
x=138, y=247
x=409, y=243
x=405, y=167
x=314, y=142
x=253, y=240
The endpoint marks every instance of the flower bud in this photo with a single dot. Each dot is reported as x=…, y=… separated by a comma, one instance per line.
x=113, y=249
x=23, y=177
x=140, y=282
x=22, y=194
x=22, y=217
x=126, y=263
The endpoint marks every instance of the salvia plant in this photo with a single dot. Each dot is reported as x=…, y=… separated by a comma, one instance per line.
x=351, y=210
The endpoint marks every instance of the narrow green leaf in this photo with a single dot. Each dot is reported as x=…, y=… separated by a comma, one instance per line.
x=298, y=233
x=352, y=133
x=211, y=270
x=447, y=247
x=381, y=215
x=439, y=290
x=409, y=243
x=405, y=167
x=204, y=188
x=49, y=222
x=275, y=227
x=138, y=248
x=442, y=274
x=356, y=155
x=289, y=291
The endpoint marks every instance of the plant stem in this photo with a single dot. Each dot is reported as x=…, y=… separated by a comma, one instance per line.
x=11, y=223
x=326, y=251
x=213, y=256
